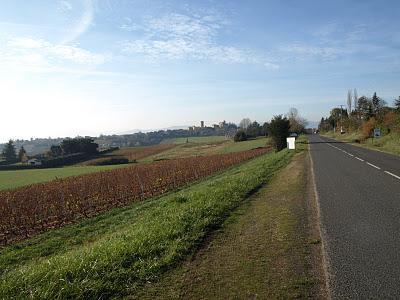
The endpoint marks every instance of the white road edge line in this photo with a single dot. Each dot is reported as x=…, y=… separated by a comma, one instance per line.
x=376, y=167
x=360, y=159
x=391, y=174
x=350, y=154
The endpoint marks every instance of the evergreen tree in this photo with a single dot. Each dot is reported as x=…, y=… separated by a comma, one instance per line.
x=364, y=107
x=264, y=129
x=9, y=152
x=240, y=136
x=22, y=154
x=254, y=129
x=279, y=131
x=377, y=104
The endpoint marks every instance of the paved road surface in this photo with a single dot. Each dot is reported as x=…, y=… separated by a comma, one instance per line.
x=359, y=198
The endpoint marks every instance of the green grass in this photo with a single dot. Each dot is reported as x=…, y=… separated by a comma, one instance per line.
x=18, y=178
x=389, y=143
x=246, y=145
x=262, y=250
x=347, y=137
x=197, y=139
x=117, y=251
x=208, y=148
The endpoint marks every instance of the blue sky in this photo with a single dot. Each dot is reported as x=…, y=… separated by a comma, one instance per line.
x=82, y=67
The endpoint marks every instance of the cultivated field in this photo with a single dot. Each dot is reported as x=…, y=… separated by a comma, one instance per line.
x=197, y=146
x=18, y=178
x=29, y=210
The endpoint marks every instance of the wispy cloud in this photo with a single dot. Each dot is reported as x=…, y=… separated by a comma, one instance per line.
x=64, y=5
x=305, y=51
x=82, y=24
x=179, y=36
x=40, y=55
x=357, y=33
x=129, y=25
x=328, y=42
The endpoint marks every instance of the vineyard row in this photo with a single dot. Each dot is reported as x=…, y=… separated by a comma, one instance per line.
x=29, y=210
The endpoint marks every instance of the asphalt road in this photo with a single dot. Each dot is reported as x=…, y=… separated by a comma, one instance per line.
x=359, y=199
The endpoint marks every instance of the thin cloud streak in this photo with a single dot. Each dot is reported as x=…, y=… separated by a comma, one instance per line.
x=82, y=25
x=25, y=54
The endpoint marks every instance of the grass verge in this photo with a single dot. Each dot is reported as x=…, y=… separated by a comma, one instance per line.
x=157, y=236
x=267, y=248
x=389, y=143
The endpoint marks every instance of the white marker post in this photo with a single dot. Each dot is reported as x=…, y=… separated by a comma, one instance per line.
x=291, y=143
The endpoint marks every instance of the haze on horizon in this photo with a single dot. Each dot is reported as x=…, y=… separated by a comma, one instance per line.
x=86, y=67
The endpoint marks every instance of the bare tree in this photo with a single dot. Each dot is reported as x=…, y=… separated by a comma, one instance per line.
x=355, y=99
x=297, y=123
x=245, y=123
x=349, y=98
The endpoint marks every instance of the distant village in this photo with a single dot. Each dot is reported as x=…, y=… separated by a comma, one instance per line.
x=222, y=128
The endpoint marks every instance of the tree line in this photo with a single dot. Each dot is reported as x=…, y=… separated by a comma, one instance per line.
x=84, y=145
x=363, y=114
x=279, y=128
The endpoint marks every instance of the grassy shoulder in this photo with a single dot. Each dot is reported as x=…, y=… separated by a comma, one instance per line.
x=94, y=259
x=265, y=249
x=389, y=143
x=18, y=178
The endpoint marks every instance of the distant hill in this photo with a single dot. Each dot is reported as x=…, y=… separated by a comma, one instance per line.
x=152, y=130
x=132, y=138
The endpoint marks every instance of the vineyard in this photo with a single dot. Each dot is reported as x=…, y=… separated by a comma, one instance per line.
x=30, y=210
x=136, y=153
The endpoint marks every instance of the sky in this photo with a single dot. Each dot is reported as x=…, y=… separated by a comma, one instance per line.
x=90, y=67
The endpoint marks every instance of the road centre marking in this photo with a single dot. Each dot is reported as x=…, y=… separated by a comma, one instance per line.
x=391, y=174
x=360, y=159
x=376, y=167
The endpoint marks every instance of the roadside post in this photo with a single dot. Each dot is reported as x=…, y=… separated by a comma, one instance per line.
x=377, y=134
x=291, y=143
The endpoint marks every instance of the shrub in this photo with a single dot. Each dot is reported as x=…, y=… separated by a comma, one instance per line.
x=368, y=127
x=240, y=136
x=279, y=131
x=392, y=121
